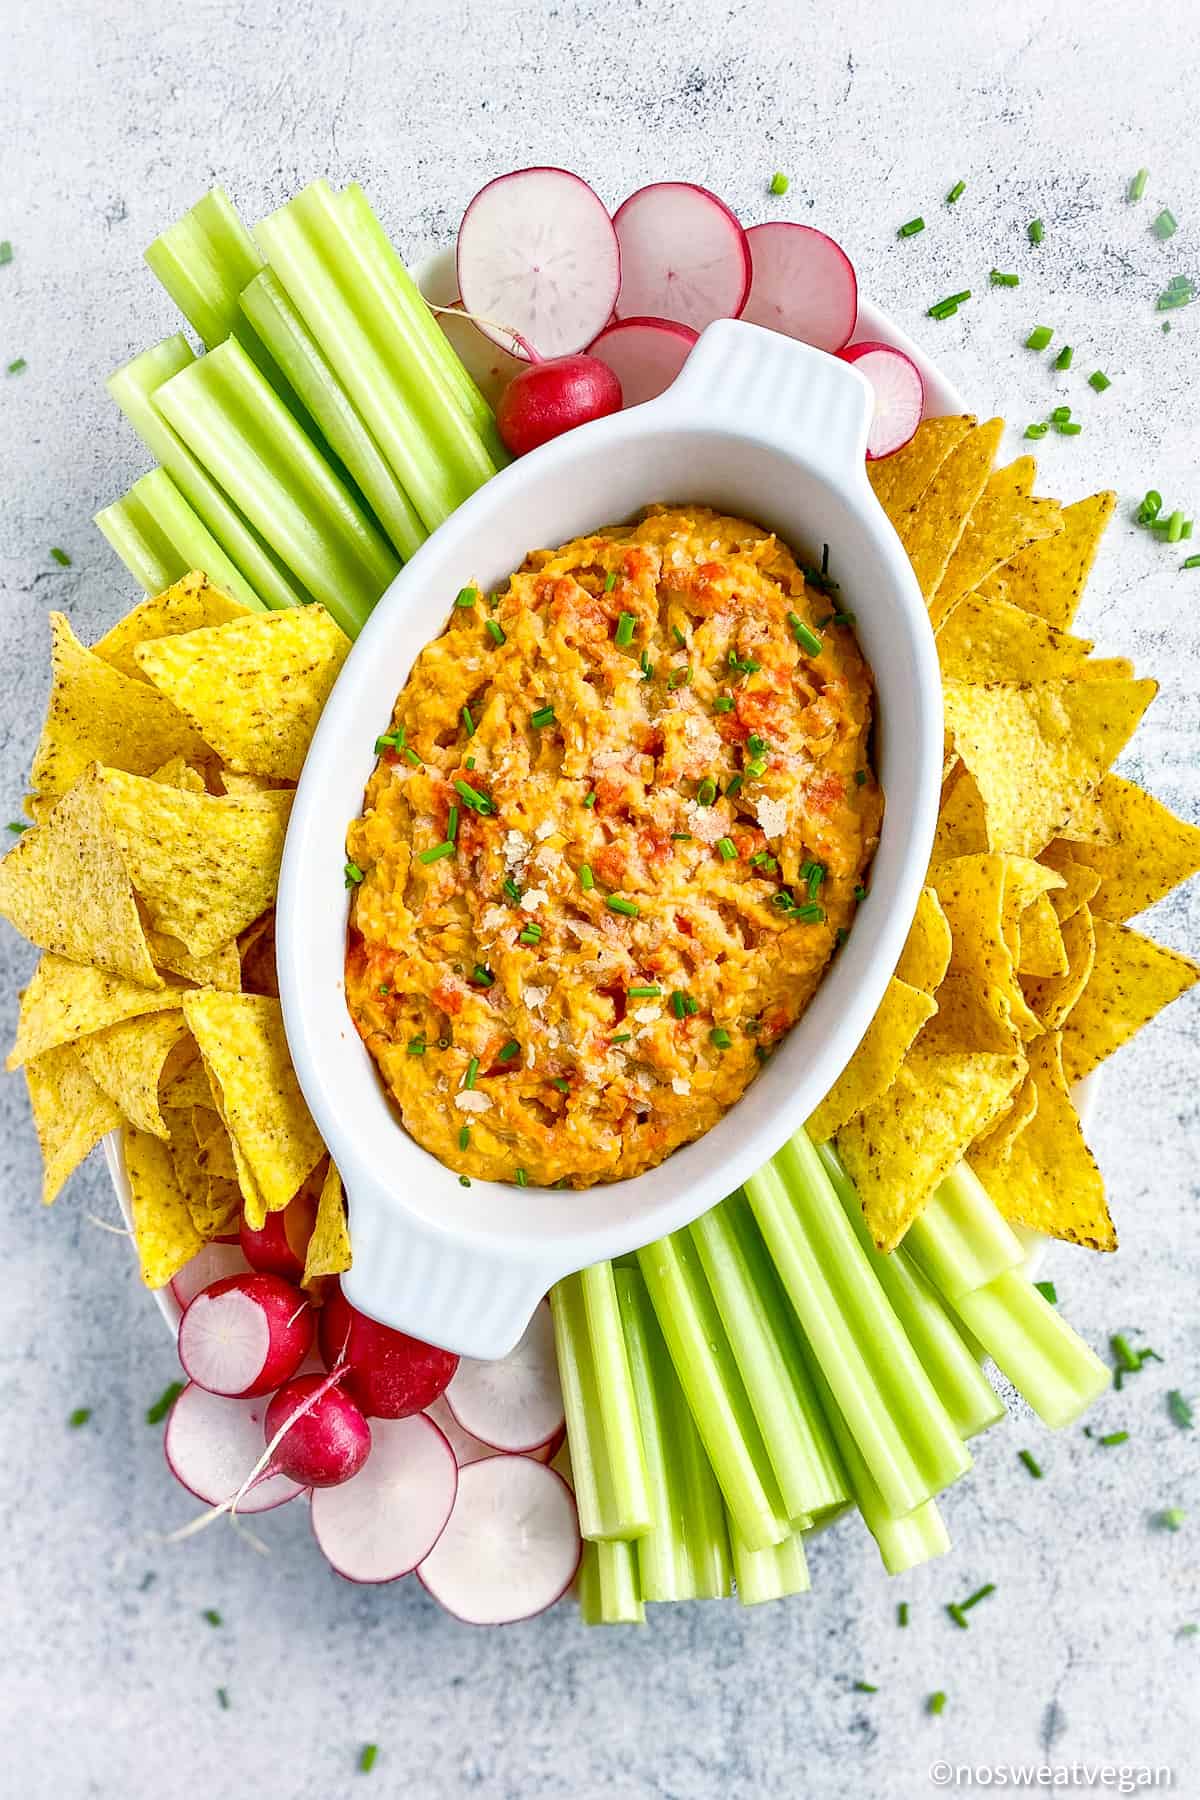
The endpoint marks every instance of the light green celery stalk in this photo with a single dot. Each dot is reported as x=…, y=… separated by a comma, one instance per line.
x=386, y=366
x=905, y=1434
x=364, y=226
x=296, y=351
x=757, y=1319
x=1047, y=1362
x=960, y=1239
x=608, y=1585
x=608, y=1469
x=685, y=1554
x=948, y=1360
x=204, y=261
x=159, y=539
x=769, y=1574
x=232, y=420
x=132, y=387
x=716, y=1396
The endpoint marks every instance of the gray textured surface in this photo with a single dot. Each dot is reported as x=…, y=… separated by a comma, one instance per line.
x=116, y=118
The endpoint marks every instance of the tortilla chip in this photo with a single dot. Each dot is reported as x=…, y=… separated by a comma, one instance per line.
x=179, y=773
x=256, y=948
x=1037, y=752
x=65, y=887
x=961, y=827
x=931, y=529
x=329, y=1246
x=162, y=1224
x=1018, y=1113
x=70, y=1114
x=214, y=1206
x=926, y=953
x=990, y=640
x=274, y=1139
x=903, y=1147
x=1046, y=1178
x=1149, y=851
x=973, y=1015
x=1042, y=951
x=1048, y=578
x=1052, y=997
x=66, y=1001
x=1132, y=979
x=1080, y=882
x=234, y=782
x=191, y=603
x=900, y=480
x=220, y=968
x=187, y=1089
x=1003, y=522
x=253, y=688
x=127, y=1061
x=876, y=1062
x=205, y=866
x=1105, y=668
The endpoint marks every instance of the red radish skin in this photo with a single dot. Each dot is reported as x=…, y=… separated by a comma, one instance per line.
x=515, y=1403
x=537, y=251
x=549, y=397
x=684, y=256
x=512, y=1546
x=327, y=1444
x=899, y=395
x=245, y=1335
x=213, y=1263
x=379, y=1526
x=279, y=1248
x=391, y=1374
x=804, y=285
x=644, y=354
x=212, y=1443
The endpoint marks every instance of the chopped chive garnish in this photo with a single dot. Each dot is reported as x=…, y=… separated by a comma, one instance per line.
x=353, y=874
x=469, y=763
x=1180, y=1410
x=60, y=557
x=452, y=825
x=512, y=890
x=1190, y=562
x=1034, y=1467
x=522, y=1178
x=17, y=826
x=681, y=837
x=958, y=1615
x=841, y=934
x=706, y=793
x=1039, y=337
x=1048, y=1291
x=727, y=848
x=733, y=787
x=644, y=993
x=999, y=279
x=779, y=182
x=6, y=254
x=1172, y=1517
x=464, y=1136
x=383, y=988
x=1126, y=1356
x=17, y=366
x=679, y=677
x=865, y=1687
x=564, y=1087
x=587, y=880
x=720, y=1037
x=1037, y=231
x=860, y=777
x=590, y=799
x=860, y=892
x=79, y=1417
x=756, y=766
x=1187, y=529
x=366, y=1758
x=989, y=1587
x=495, y=631
x=620, y=1037
x=1064, y=358
x=678, y=636
x=436, y=852
x=723, y=703
x=472, y=1072
x=390, y=740
x=911, y=227
x=466, y=596
x=815, y=876
x=936, y=1703
x=1150, y=508
x=646, y=666
x=1137, y=184
x=944, y=309
x=475, y=800
x=1166, y=225
x=1179, y=291
x=610, y=581
x=804, y=634
x=468, y=721
x=1069, y=428
x=542, y=717
x=625, y=625
x=1036, y=431
x=956, y=192
x=223, y=1699
x=902, y=1613
x=412, y=756
x=679, y=1004
x=481, y=976
x=810, y=915
x=532, y=934
x=211, y=1616
x=507, y=1051
x=845, y=618
x=1099, y=380
x=464, y=1181
x=416, y=1046
x=1113, y=1437
x=617, y=903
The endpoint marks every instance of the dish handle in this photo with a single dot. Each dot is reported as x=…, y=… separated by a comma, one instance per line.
x=755, y=382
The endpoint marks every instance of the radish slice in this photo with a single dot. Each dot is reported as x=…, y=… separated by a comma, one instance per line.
x=804, y=285
x=512, y=1546
x=546, y=1453
x=899, y=395
x=467, y=1449
x=684, y=256
x=245, y=1335
x=515, y=1403
x=537, y=252
x=383, y=1523
x=211, y=1445
x=211, y=1264
x=489, y=364
x=645, y=355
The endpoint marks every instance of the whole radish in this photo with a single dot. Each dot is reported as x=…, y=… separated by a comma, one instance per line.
x=245, y=1335
x=391, y=1375
x=279, y=1248
x=552, y=396
x=327, y=1442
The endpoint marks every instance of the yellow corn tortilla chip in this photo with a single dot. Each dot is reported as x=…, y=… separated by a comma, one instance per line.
x=1149, y=851
x=900, y=480
x=1052, y=997
x=253, y=688
x=191, y=603
x=1003, y=522
x=876, y=1062
x=95, y=714
x=1042, y=951
x=65, y=887
x=256, y=949
x=205, y=866
x=235, y=782
x=961, y=827
x=972, y=893
x=219, y=968
x=242, y=1041
x=329, y=1246
x=931, y=529
x=972, y=1015
x=127, y=1061
x=1037, y=752
x=66, y=1001
x=214, y=1143
x=162, y=1224
x=188, y=1088
x=1105, y=668
x=903, y=1147
x=1046, y=1178
x=178, y=772
x=1020, y=1110
x=214, y=1206
x=70, y=1114
x=1048, y=578
x=1080, y=883
x=926, y=953
x=991, y=640
x=1132, y=979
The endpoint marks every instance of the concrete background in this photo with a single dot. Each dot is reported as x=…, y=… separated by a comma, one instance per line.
x=116, y=117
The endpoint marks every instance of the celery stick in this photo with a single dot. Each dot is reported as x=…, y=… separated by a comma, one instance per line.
x=618, y=1404
x=294, y=348
x=592, y=1453
x=363, y=224
x=960, y=1239
x=716, y=1396
x=962, y=1387
x=204, y=261
x=608, y=1585
x=904, y=1432
x=769, y=1574
x=132, y=386
x=1030, y=1341
x=159, y=539
x=385, y=366
x=229, y=416
x=755, y=1314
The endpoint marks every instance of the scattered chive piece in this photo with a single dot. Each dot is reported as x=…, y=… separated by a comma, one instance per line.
x=1034, y=1467
x=522, y=1178
x=1037, y=231
x=481, y=976
x=532, y=934
x=507, y=1051
x=756, y=766
x=860, y=777
x=779, y=182
x=17, y=826
x=1172, y=1517
x=620, y=1037
x=157, y=1412
x=512, y=891
x=590, y=799
x=845, y=618
x=564, y=1087
x=841, y=934
x=720, y=1037
x=469, y=763
x=646, y=666
x=957, y=1614
x=468, y=721
x=1175, y=527
x=436, y=852
x=495, y=631
x=617, y=903
x=1036, y=431
x=804, y=634
x=681, y=837
x=650, y=992
x=733, y=787
x=416, y=1046
x=1099, y=380
x=902, y=1613
x=475, y=800
x=1191, y=562
x=1180, y=1410
x=727, y=848
x=1166, y=225
x=810, y=915
x=79, y=1417
x=1179, y=291
x=1150, y=507
x=1127, y=1357
x=911, y=228
x=383, y=988
x=472, y=1072
x=944, y=309
x=1068, y=429
x=587, y=880
x=1187, y=529
x=865, y=1687
x=412, y=756
x=679, y=1003
x=1039, y=337
x=625, y=625
x=223, y=1699
x=17, y=366
x=723, y=703
x=213, y=1617
x=706, y=793
x=610, y=581
x=816, y=875
x=1137, y=184
x=1064, y=358
x=1111, y=1438
x=989, y=1587
x=1001, y=280
x=452, y=824
x=679, y=677
x=366, y=1757
x=466, y=596
x=936, y=1703
x=464, y=1136
x=679, y=637
x=956, y=192
x=1048, y=1291
x=60, y=557
x=542, y=717
x=6, y=254
x=353, y=874
x=1188, y=1631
